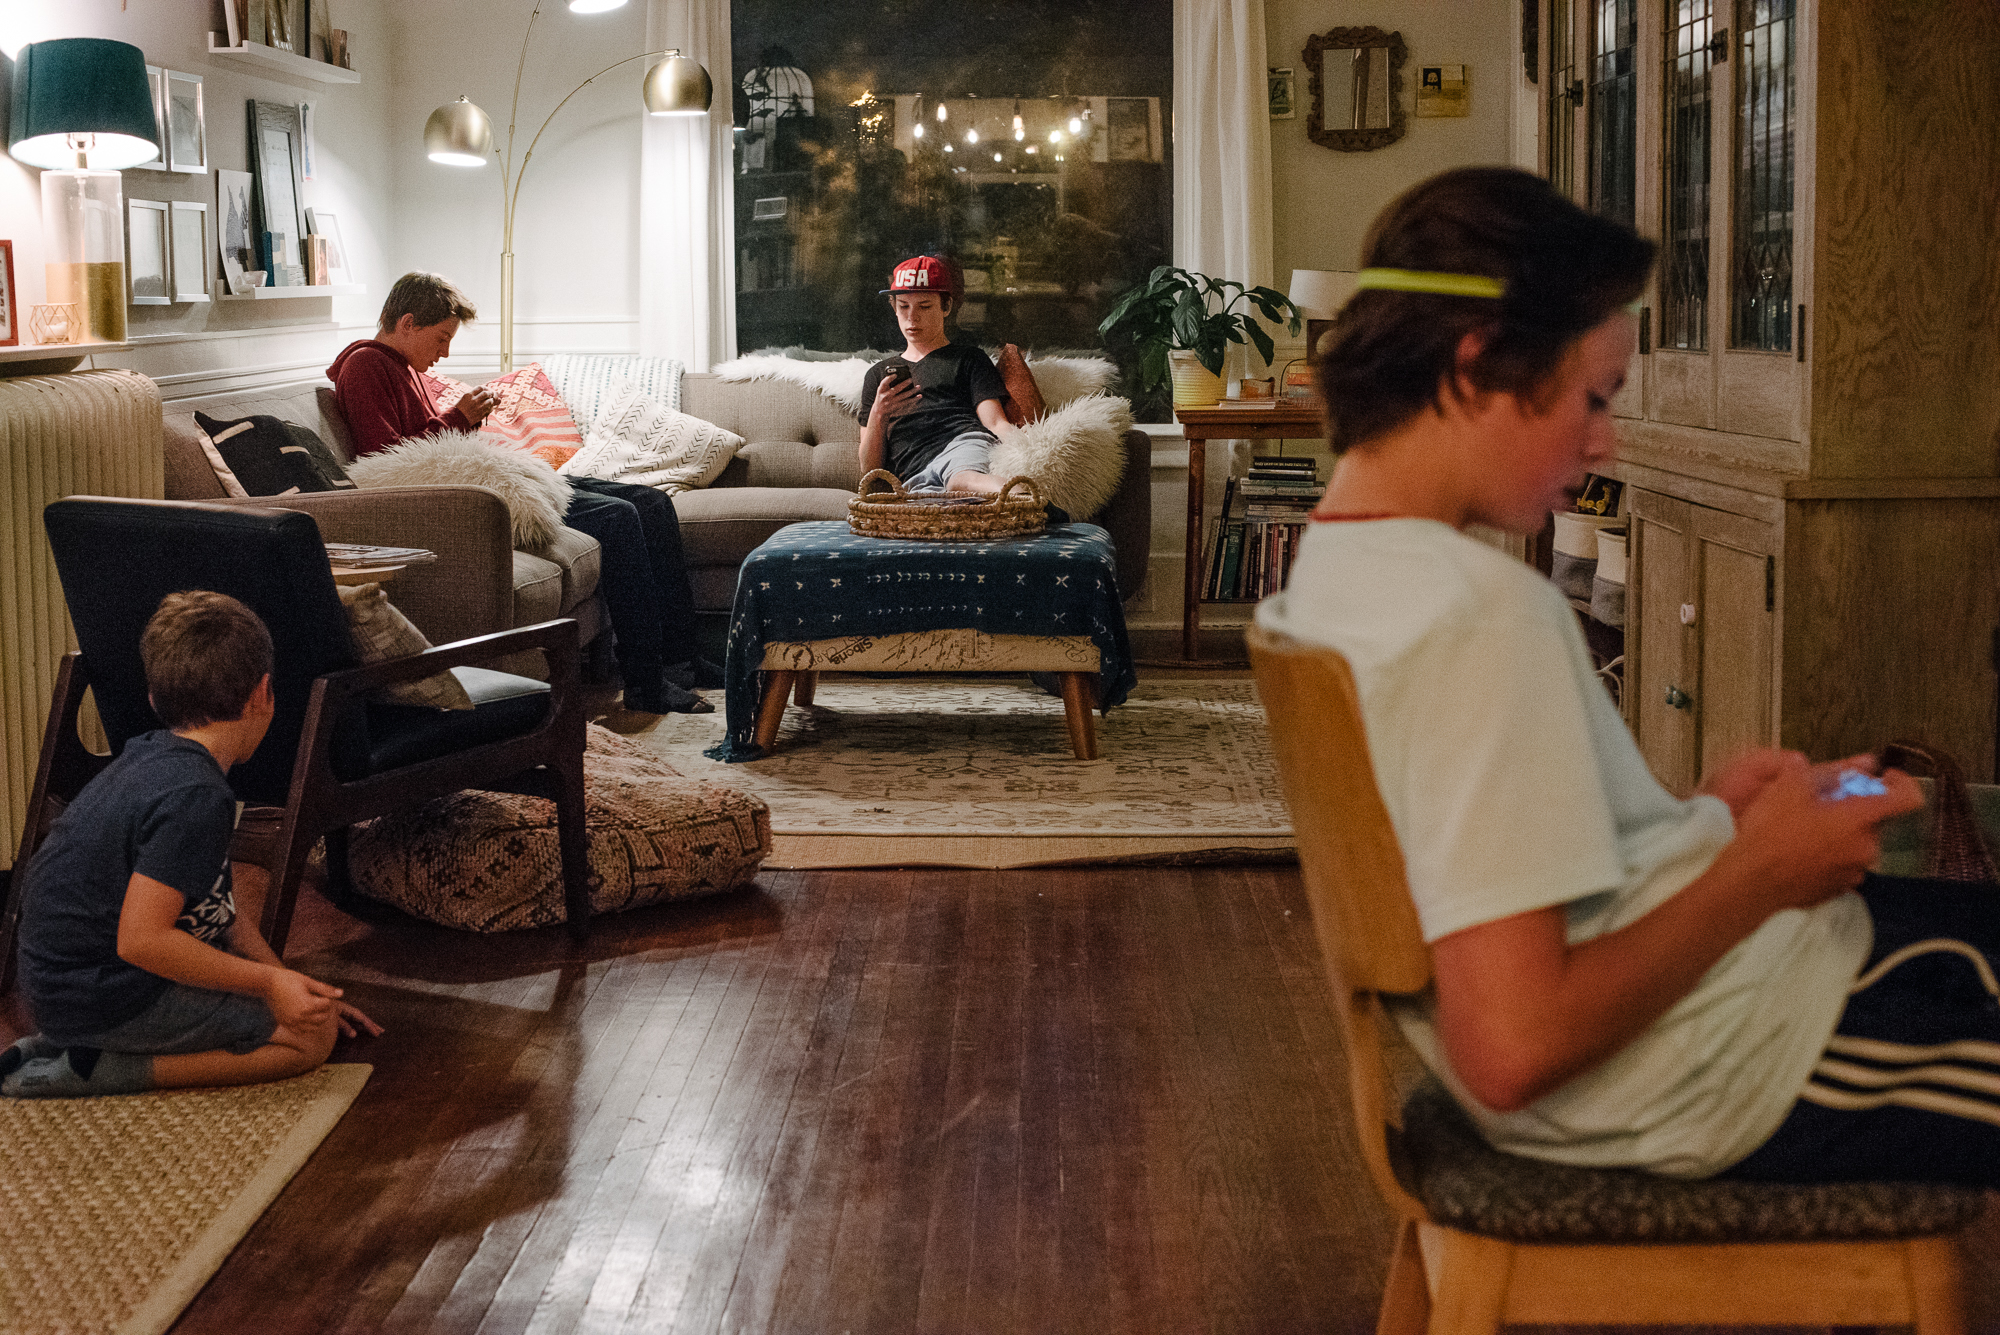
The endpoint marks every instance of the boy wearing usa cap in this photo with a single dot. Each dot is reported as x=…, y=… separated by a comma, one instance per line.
x=932, y=414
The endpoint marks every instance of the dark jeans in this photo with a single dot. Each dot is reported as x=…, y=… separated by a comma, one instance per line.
x=642, y=573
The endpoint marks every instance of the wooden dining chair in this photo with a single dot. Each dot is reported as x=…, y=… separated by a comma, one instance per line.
x=1486, y=1238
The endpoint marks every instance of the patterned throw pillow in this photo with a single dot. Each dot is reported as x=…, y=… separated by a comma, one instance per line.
x=381, y=632
x=642, y=441
x=266, y=456
x=530, y=416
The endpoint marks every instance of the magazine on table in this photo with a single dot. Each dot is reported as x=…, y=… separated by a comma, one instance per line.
x=363, y=556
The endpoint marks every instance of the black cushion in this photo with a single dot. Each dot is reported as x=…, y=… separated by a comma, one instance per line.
x=271, y=456
x=1468, y=1185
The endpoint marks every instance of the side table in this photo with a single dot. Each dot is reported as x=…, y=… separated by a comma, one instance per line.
x=1252, y=419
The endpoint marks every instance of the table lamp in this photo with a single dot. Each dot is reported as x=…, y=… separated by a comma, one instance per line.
x=460, y=134
x=1319, y=294
x=83, y=112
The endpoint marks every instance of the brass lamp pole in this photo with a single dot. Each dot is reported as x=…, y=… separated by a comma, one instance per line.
x=459, y=134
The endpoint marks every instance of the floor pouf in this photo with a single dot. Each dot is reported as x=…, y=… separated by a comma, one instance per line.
x=488, y=862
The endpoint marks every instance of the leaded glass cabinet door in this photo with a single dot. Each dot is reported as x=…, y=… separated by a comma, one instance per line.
x=1763, y=308
x=1690, y=208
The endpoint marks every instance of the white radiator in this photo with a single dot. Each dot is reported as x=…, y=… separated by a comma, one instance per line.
x=94, y=433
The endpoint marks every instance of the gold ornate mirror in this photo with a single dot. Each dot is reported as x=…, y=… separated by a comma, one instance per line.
x=1356, y=77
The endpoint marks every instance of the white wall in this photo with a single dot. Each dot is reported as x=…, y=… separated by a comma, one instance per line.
x=196, y=348
x=576, y=228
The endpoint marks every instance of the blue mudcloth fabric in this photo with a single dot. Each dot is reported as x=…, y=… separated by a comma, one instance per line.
x=821, y=581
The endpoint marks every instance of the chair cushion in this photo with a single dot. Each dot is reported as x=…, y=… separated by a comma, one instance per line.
x=1467, y=1184
x=489, y=862
x=400, y=735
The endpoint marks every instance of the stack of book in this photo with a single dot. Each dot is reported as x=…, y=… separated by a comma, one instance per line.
x=1264, y=514
x=367, y=556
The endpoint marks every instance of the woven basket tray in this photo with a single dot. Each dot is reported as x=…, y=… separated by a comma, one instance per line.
x=949, y=516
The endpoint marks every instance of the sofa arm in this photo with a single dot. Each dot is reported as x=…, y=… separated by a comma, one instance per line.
x=1128, y=515
x=467, y=591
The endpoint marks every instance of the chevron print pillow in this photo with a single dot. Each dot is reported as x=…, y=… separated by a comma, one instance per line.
x=530, y=416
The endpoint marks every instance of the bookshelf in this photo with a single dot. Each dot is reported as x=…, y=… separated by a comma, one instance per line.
x=1248, y=549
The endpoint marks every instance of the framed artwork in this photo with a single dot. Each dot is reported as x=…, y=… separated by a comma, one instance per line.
x=156, y=81
x=236, y=17
x=146, y=260
x=321, y=223
x=277, y=143
x=191, y=249
x=235, y=226
x=1130, y=130
x=320, y=24
x=10, y=310
x=1284, y=94
x=187, y=126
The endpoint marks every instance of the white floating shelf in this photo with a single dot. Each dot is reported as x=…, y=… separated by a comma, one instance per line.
x=222, y=292
x=71, y=353
x=284, y=62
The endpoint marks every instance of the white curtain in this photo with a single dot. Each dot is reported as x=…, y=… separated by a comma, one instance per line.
x=1222, y=141
x=687, y=210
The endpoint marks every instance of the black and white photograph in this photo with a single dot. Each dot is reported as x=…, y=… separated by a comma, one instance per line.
x=187, y=131
x=233, y=227
x=146, y=245
x=190, y=251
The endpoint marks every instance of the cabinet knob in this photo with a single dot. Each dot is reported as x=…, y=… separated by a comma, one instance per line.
x=1679, y=698
x=1687, y=614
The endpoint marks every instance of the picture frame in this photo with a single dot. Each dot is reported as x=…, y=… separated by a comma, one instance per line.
x=146, y=252
x=276, y=149
x=236, y=18
x=191, y=248
x=156, y=82
x=319, y=222
x=319, y=24
x=1283, y=93
x=10, y=306
x=235, y=227
x=186, y=139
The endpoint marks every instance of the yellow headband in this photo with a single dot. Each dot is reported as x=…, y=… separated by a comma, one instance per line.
x=1438, y=284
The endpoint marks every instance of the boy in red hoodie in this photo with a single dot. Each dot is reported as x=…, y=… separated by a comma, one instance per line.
x=378, y=384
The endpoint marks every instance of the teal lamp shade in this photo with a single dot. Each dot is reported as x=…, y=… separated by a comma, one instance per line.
x=82, y=86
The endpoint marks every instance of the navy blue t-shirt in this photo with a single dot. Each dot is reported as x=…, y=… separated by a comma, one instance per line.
x=954, y=380
x=163, y=809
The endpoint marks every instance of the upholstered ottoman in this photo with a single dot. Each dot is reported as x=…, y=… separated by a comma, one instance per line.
x=817, y=596
x=488, y=862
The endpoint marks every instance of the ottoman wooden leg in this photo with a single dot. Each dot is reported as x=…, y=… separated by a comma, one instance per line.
x=802, y=692
x=1076, y=695
x=772, y=711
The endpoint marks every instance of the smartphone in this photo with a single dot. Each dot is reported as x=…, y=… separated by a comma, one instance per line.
x=1853, y=783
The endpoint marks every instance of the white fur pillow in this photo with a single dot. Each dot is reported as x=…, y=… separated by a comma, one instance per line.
x=1076, y=452
x=1060, y=379
x=640, y=440
x=1066, y=379
x=536, y=498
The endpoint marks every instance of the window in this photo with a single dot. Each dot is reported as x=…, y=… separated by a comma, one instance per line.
x=1029, y=143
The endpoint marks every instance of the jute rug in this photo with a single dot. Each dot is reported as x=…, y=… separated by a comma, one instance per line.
x=978, y=772
x=115, y=1211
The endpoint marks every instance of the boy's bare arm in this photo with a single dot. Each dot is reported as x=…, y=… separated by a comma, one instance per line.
x=1521, y=1011
x=995, y=418
x=894, y=396
x=148, y=939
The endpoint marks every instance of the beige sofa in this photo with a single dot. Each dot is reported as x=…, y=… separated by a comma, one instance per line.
x=801, y=462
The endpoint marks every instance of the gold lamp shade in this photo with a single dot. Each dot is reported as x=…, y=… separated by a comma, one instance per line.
x=459, y=134
x=678, y=86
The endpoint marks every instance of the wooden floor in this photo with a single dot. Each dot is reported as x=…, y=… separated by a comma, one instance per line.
x=1079, y=1100
x=1099, y=1100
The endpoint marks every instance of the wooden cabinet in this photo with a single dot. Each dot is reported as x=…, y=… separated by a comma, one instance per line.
x=1811, y=437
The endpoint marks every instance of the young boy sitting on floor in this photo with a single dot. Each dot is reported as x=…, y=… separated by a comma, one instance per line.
x=133, y=958
x=932, y=414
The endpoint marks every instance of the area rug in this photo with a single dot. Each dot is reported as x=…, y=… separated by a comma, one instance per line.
x=978, y=772
x=115, y=1211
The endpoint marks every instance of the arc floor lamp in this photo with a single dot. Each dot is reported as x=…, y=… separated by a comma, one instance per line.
x=459, y=134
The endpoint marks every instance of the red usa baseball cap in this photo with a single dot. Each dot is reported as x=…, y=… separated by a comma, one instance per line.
x=921, y=273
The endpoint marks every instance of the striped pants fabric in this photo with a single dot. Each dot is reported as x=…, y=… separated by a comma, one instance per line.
x=1909, y=1086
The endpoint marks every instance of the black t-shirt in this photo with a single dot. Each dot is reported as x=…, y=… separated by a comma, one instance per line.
x=954, y=380
x=162, y=809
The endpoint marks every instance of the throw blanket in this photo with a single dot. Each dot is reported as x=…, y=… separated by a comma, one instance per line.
x=819, y=580
x=536, y=498
x=1060, y=379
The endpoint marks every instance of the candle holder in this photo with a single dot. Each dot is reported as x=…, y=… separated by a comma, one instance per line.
x=56, y=322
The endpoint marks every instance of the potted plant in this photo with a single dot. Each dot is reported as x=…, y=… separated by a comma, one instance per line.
x=1186, y=321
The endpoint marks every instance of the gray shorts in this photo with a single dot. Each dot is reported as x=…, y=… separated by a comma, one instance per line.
x=191, y=1019
x=966, y=450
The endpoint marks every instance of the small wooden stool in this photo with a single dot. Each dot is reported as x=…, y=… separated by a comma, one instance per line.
x=793, y=667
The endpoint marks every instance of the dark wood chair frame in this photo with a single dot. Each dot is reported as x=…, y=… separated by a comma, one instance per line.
x=546, y=761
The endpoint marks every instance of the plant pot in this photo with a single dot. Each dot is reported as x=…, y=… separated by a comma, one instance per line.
x=1195, y=386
